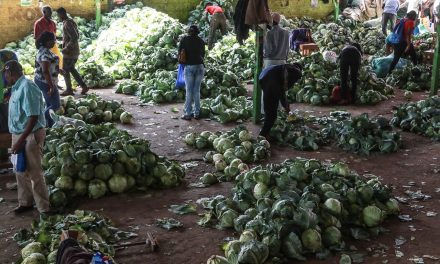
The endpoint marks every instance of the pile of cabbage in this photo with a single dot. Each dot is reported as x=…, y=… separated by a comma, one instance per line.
x=226, y=109
x=92, y=109
x=230, y=152
x=159, y=87
x=299, y=208
x=95, y=160
x=94, y=75
x=321, y=76
x=411, y=77
x=26, y=50
x=422, y=117
x=358, y=134
x=41, y=242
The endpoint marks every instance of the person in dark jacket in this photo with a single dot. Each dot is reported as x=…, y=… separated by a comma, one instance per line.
x=350, y=62
x=194, y=49
x=275, y=80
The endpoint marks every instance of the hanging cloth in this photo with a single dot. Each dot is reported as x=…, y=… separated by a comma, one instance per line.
x=240, y=27
x=314, y=3
x=258, y=13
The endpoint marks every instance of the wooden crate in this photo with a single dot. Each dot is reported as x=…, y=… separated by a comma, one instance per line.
x=308, y=49
x=5, y=143
x=428, y=57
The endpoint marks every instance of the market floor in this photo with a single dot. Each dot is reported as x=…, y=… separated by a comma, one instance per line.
x=415, y=167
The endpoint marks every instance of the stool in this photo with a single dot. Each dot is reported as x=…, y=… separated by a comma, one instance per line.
x=308, y=48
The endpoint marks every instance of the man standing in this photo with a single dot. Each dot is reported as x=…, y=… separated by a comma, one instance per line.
x=27, y=123
x=275, y=80
x=276, y=44
x=45, y=23
x=390, y=8
x=218, y=21
x=350, y=62
x=70, y=52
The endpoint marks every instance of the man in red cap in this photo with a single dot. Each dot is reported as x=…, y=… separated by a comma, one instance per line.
x=218, y=21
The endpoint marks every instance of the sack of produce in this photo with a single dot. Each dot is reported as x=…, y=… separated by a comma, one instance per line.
x=381, y=65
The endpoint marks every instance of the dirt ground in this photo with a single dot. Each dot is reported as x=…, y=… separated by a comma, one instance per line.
x=415, y=167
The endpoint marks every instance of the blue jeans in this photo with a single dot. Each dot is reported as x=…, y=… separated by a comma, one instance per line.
x=193, y=79
x=52, y=102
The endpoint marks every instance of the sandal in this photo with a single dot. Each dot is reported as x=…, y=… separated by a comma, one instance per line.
x=84, y=90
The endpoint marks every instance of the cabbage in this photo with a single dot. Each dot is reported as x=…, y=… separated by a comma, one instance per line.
x=83, y=110
x=64, y=183
x=126, y=118
x=224, y=144
x=217, y=157
x=149, y=159
x=345, y=259
x=340, y=169
x=131, y=182
x=52, y=257
x=248, y=235
x=220, y=165
x=240, y=222
x=83, y=156
x=235, y=163
x=226, y=219
x=57, y=198
x=297, y=172
x=103, y=171
x=208, y=179
x=35, y=258
x=97, y=188
x=33, y=247
x=217, y=260
x=229, y=155
x=243, y=167
x=262, y=176
x=392, y=206
x=117, y=183
x=311, y=239
x=265, y=143
x=253, y=252
x=80, y=187
x=372, y=216
x=333, y=206
x=260, y=190
x=232, y=248
x=244, y=135
x=86, y=172
x=201, y=143
x=209, y=156
x=332, y=236
x=292, y=247
x=108, y=116
x=231, y=172
x=247, y=145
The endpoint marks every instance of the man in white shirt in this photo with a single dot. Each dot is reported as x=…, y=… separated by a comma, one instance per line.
x=389, y=15
x=414, y=5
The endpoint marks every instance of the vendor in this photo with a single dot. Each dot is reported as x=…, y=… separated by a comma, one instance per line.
x=350, y=62
x=275, y=80
x=218, y=21
x=276, y=44
x=390, y=8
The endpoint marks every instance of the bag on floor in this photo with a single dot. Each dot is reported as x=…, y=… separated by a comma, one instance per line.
x=381, y=65
x=180, y=81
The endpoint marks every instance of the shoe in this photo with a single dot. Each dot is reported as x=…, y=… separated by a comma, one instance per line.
x=197, y=117
x=186, y=117
x=84, y=90
x=22, y=209
x=66, y=93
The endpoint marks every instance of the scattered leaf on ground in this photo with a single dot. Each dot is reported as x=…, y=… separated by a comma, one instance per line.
x=174, y=110
x=430, y=257
x=399, y=254
x=183, y=209
x=400, y=240
x=168, y=223
x=431, y=214
x=405, y=218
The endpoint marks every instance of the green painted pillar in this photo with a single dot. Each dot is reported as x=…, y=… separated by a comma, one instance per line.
x=435, y=66
x=336, y=2
x=98, y=19
x=256, y=111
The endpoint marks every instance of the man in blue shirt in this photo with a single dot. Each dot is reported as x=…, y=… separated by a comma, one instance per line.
x=390, y=8
x=27, y=123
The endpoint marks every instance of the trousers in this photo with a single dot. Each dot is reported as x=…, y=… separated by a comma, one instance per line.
x=218, y=21
x=69, y=68
x=388, y=19
x=31, y=184
x=271, y=101
x=193, y=80
x=399, y=52
x=349, y=66
x=53, y=101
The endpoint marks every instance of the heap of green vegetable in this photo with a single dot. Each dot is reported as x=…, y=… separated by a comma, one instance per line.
x=230, y=151
x=94, y=110
x=320, y=77
x=298, y=208
x=422, y=117
x=358, y=134
x=411, y=78
x=41, y=242
x=94, y=75
x=226, y=109
x=95, y=160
